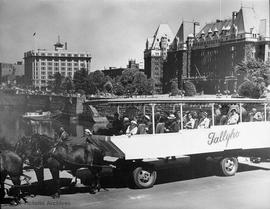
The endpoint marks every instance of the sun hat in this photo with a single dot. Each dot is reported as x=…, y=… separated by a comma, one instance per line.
x=134, y=122
x=171, y=117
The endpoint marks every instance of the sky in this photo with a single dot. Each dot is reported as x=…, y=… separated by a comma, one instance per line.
x=112, y=31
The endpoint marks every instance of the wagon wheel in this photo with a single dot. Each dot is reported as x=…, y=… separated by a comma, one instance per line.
x=144, y=178
x=229, y=166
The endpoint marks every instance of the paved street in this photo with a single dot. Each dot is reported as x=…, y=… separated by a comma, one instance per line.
x=249, y=189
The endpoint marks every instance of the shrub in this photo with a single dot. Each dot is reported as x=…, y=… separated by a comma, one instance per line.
x=249, y=89
x=189, y=88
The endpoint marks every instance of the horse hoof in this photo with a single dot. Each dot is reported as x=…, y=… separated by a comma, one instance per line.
x=56, y=196
x=72, y=184
x=92, y=191
x=14, y=202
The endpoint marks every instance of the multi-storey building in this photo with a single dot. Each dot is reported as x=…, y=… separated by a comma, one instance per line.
x=9, y=71
x=208, y=59
x=155, y=54
x=41, y=65
x=114, y=72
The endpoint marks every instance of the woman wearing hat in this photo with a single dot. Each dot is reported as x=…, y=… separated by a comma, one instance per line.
x=233, y=117
x=132, y=128
x=204, y=122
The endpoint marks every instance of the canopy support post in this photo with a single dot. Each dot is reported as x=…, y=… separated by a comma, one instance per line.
x=181, y=116
x=265, y=112
x=153, y=117
x=240, y=112
x=213, y=114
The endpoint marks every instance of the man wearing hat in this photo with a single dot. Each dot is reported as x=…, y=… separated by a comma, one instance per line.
x=132, y=128
x=63, y=135
x=204, y=122
x=172, y=125
x=88, y=134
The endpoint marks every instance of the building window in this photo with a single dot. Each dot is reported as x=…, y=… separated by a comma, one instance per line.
x=69, y=64
x=75, y=55
x=56, y=64
x=62, y=55
x=63, y=63
x=56, y=54
x=49, y=54
x=75, y=64
x=43, y=54
x=63, y=68
x=81, y=55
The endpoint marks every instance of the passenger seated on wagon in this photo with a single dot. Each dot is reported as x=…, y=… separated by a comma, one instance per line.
x=132, y=128
x=117, y=125
x=172, y=125
x=251, y=114
x=233, y=117
x=160, y=128
x=144, y=126
x=258, y=116
x=190, y=121
x=126, y=123
x=204, y=121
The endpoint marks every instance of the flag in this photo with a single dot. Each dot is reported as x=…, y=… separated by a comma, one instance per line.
x=34, y=34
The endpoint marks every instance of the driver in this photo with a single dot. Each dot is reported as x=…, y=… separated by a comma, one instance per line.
x=63, y=135
x=88, y=135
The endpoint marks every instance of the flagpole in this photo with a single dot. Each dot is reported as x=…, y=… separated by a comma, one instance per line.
x=35, y=41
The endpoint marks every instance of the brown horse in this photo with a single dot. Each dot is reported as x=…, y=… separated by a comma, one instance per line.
x=10, y=165
x=42, y=151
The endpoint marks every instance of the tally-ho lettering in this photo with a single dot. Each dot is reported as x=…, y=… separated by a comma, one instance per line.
x=223, y=136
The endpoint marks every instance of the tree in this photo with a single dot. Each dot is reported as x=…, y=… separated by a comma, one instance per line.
x=97, y=79
x=249, y=89
x=80, y=80
x=128, y=76
x=56, y=83
x=67, y=84
x=140, y=83
x=257, y=73
x=108, y=87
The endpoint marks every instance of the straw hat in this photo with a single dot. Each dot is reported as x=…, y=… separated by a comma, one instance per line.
x=134, y=122
x=171, y=117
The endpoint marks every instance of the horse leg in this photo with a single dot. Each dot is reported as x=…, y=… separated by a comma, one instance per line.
x=40, y=178
x=17, y=191
x=3, y=176
x=56, y=180
x=98, y=176
x=95, y=185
